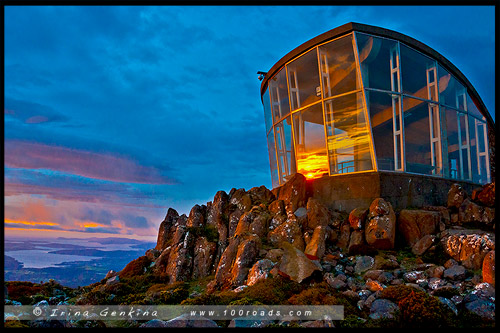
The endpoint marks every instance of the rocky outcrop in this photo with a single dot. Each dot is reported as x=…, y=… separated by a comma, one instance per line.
x=259, y=271
x=165, y=226
x=380, y=230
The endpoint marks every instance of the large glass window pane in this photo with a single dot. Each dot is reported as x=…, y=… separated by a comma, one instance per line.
x=458, y=148
x=272, y=159
x=268, y=117
x=338, y=67
x=473, y=150
x=384, y=111
x=473, y=110
x=309, y=131
x=419, y=74
x=378, y=59
x=418, y=138
x=451, y=92
x=284, y=149
x=482, y=151
x=303, y=80
x=348, y=136
x=279, y=95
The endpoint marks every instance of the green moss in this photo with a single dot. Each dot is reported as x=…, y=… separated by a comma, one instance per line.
x=208, y=231
x=15, y=324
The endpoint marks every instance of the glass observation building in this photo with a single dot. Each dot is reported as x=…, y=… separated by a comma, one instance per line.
x=360, y=98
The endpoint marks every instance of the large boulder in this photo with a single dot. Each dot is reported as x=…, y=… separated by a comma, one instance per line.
x=380, y=229
x=316, y=246
x=293, y=192
x=415, y=224
x=467, y=246
x=295, y=264
x=345, y=233
x=489, y=268
x=165, y=226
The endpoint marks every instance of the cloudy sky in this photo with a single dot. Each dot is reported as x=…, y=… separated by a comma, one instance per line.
x=114, y=114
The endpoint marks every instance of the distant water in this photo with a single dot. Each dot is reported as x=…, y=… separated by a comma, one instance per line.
x=39, y=257
x=43, y=259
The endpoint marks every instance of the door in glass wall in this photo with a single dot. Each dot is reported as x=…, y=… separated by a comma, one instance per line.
x=348, y=137
x=284, y=149
x=309, y=132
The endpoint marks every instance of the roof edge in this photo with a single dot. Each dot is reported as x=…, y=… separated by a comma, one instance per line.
x=381, y=32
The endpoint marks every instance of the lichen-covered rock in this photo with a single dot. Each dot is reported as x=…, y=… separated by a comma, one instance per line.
x=415, y=224
x=293, y=192
x=259, y=271
x=380, y=229
x=289, y=232
x=456, y=196
x=489, y=268
x=241, y=199
x=164, y=231
x=357, y=218
x=204, y=255
x=261, y=195
x=196, y=216
x=295, y=264
x=469, y=247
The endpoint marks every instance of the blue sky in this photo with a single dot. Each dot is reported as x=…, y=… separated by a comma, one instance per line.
x=114, y=114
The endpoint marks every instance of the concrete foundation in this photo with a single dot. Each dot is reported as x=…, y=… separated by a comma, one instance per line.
x=402, y=190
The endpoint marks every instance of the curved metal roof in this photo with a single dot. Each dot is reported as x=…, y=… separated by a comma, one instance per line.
x=382, y=32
